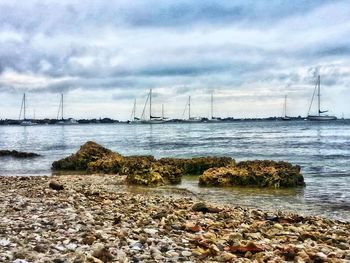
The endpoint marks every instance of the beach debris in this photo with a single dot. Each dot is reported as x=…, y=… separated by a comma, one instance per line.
x=264, y=173
x=56, y=185
x=17, y=154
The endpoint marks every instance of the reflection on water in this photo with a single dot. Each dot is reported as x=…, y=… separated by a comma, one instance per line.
x=321, y=149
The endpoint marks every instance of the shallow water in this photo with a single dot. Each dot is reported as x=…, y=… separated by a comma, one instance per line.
x=322, y=150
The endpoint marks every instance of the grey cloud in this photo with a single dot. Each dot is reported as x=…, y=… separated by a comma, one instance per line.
x=170, y=45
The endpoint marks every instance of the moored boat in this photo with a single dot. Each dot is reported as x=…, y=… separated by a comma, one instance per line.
x=25, y=121
x=152, y=119
x=284, y=115
x=62, y=121
x=319, y=116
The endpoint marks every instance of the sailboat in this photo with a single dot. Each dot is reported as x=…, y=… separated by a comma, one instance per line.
x=133, y=118
x=212, y=118
x=24, y=122
x=319, y=116
x=62, y=121
x=284, y=115
x=190, y=118
x=152, y=119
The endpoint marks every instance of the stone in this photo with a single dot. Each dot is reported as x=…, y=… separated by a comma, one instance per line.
x=150, y=231
x=254, y=173
x=89, y=239
x=101, y=252
x=90, y=259
x=108, y=164
x=197, y=165
x=89, y=152
x=143, y=171
x=56, y=186
x=186, y=253
x=202, y=207
x=17, y=154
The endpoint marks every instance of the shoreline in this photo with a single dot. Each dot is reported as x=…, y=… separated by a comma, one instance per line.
x=94, y=219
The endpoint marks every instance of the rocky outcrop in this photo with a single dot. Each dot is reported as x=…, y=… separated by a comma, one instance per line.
x=215, y=171
x=254, y=173
x=109, y=164
x=144, y=171
x=16, y=154
x=197, y=165
x=89, y=152
x=141, y=170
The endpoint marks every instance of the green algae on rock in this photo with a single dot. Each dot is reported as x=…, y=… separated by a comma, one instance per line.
x=197, y=165
x=109, y=164
x=144, y=171
x=254, y=173
x=89, y=152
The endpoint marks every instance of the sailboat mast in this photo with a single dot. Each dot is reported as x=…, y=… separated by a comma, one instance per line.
x=319, y=95
x=150, y=104
x=24, y=106
x=162, y=111
x=134, y=111
x=285, y=105
x=189, y=107
x=212, y=107
x=62, y=105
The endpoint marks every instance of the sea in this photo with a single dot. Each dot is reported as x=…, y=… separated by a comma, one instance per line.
x=322, y=149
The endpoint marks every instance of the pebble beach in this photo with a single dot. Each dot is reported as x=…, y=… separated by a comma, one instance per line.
x=95, y=218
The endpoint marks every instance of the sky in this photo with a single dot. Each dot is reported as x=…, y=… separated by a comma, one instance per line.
x=104, y=54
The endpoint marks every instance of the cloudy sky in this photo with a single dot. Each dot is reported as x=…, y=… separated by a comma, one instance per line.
x=104, y=54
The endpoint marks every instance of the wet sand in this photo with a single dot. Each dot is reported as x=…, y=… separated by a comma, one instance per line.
x=98, y=219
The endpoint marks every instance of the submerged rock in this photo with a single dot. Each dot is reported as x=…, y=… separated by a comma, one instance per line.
x=17, y=154
x=254, y=173
x=89, y=152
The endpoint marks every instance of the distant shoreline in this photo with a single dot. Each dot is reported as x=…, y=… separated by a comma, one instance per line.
x=6, y=122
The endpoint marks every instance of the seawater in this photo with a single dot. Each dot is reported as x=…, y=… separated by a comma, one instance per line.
x=321, y=149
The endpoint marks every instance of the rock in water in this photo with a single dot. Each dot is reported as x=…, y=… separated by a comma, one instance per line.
x=254, y=173
x=56, y=186
x=197, y=165
x=89, y=152
x=108, y=164
x=144, y=171
x=16, y=154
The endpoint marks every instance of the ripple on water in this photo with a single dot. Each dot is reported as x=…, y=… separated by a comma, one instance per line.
x=322, y=150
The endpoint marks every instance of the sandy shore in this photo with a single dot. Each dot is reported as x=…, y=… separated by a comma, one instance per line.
x=95, y=219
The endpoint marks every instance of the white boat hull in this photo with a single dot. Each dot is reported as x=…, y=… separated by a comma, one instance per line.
x=67, y=122
x=27, y=123
x=153, y=122
x=321, y=118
